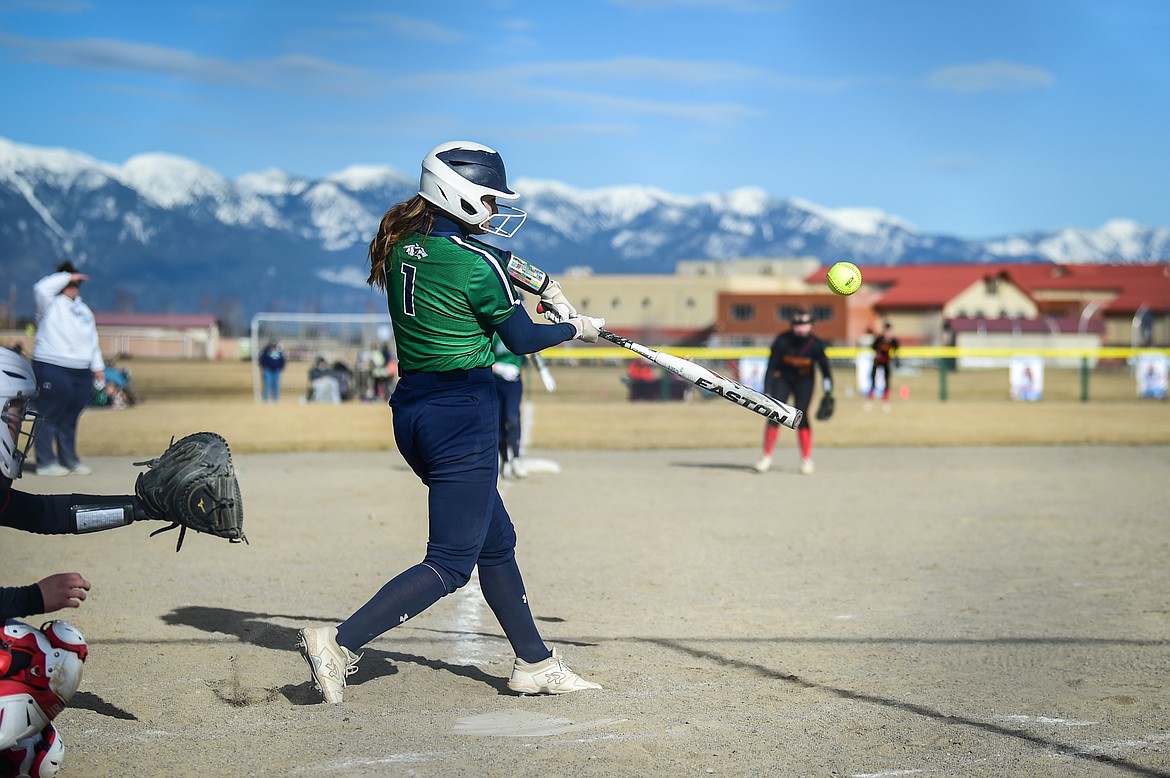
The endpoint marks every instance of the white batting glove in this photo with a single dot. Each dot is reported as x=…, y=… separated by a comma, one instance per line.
x=506, y=371
x=546, y=377
x=554, y=305
x=588, y=328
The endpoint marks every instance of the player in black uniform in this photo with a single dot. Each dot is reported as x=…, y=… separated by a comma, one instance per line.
x=885, y=351
x=789, y=378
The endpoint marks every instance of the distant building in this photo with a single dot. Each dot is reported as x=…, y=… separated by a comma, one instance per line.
x=1128, y=304
x=174, y=336
x=746, y=302
x=682, y=308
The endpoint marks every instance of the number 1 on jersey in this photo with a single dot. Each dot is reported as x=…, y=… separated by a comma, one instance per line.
x=408, y=274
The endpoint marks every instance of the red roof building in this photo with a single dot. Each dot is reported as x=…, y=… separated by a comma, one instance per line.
x=1120, y=305
x=1129, y=304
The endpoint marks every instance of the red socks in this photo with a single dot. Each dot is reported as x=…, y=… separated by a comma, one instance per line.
x=771, y=432
x=805, y=436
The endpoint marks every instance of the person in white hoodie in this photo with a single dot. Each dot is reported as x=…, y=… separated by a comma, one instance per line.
x=68, y=364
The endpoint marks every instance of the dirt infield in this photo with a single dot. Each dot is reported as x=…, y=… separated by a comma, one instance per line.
x=949, y=611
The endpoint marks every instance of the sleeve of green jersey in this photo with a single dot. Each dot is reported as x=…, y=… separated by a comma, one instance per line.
x=489, y=299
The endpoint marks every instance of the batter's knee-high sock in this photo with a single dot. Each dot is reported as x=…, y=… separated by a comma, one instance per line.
x=805, y=436
x=408, y=594
x=503, y=588
x=771, y=432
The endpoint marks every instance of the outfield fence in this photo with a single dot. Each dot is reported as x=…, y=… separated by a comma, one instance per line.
x=1071, y=370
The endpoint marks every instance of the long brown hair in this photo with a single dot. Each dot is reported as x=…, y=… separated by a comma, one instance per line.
x=413, y=215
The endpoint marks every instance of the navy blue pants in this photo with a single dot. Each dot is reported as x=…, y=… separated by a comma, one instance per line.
x=448, y=432
x=509, y=394
x=446, y=427
x=63, y=394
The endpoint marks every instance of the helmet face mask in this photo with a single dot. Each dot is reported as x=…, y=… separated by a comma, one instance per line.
x=18, y=393
x=466, y=180
x=17, y=438
x=504, y=222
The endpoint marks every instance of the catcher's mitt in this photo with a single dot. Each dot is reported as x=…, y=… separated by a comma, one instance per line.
x=193, y=485
x=826, y=408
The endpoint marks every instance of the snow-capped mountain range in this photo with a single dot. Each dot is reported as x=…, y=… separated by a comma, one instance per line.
x=164, y=233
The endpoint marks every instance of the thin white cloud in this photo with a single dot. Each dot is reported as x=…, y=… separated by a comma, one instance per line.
x=629, y=70
x=106, y=54
x=561, y=82
x=415, y=28
x=301, y=64
x=521, y=88
x=645, y=69
x=713, y=113
x=427, y=127
x=696, y=73
x=989, y=77
x=518, y=25
x=130, y=57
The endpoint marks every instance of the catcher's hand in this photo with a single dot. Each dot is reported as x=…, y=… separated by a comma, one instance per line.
x=193, y=485
x=826, y=408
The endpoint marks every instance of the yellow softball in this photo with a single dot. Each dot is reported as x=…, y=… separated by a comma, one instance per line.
x=844, y=278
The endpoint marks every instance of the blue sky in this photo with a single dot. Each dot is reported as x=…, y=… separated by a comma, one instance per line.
x=976, y=119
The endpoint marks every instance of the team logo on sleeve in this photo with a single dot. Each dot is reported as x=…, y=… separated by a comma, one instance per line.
x=414, y=250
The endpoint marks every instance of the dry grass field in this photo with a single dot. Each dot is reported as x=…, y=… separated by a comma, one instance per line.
x=589, y=410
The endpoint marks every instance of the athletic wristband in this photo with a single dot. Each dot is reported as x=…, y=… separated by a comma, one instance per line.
x=95, y=518
x=526, y=275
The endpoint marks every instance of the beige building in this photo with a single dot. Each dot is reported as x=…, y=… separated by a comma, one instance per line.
x=682, y=307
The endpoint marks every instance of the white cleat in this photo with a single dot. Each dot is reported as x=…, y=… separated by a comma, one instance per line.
x=764, y=465
x=806, y=467
x=519, y=469
x=552, y=676
x=329, y=663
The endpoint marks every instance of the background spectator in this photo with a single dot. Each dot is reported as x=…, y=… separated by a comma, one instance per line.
x=885, y=352
x=323, y=384
x=68, y=365
x=272, y=365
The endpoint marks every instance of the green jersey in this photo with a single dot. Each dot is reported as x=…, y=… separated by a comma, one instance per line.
x=446, y=295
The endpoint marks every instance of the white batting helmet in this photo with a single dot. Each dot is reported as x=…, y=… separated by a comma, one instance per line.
x=457, y=175
x=18, y=392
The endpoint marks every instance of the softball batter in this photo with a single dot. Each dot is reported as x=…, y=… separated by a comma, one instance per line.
x=447, y=293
